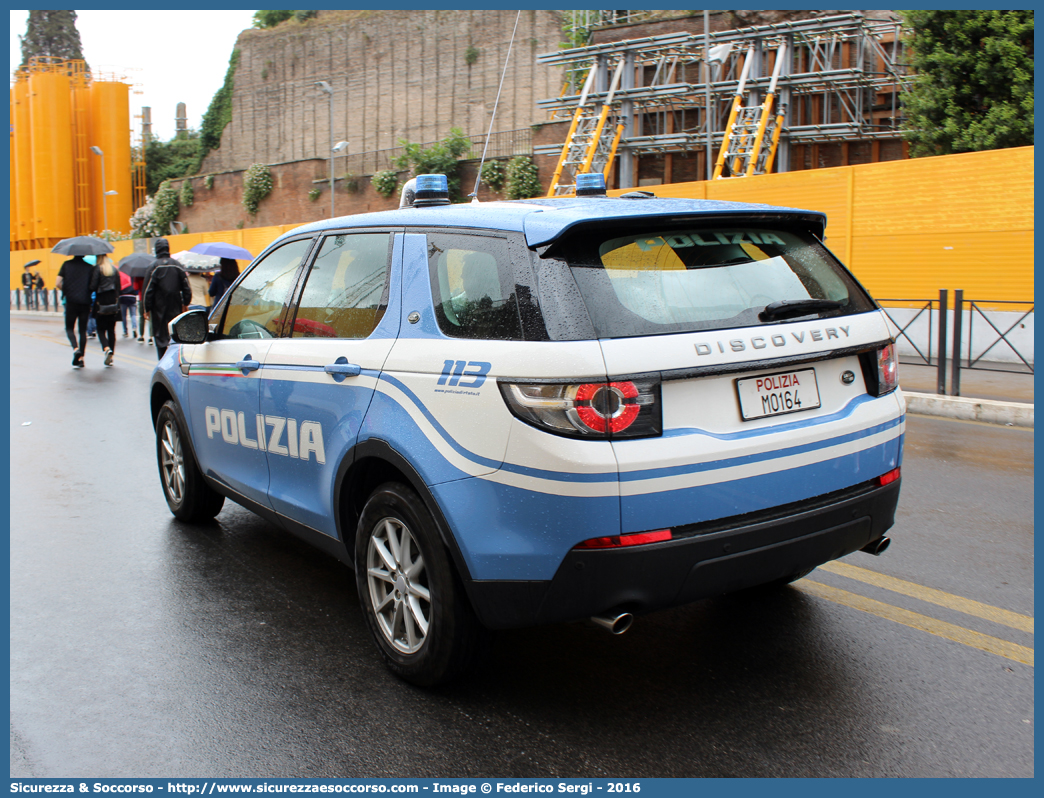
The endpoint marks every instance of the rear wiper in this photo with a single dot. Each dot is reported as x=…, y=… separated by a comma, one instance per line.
x=797, y=307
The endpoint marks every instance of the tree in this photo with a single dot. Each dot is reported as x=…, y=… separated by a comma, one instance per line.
x=973, y=81
x=438, y=159
x=269, y=19
x=170, y=159
x=53, y=34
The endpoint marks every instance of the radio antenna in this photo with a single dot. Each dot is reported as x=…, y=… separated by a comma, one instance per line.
x=493, y=116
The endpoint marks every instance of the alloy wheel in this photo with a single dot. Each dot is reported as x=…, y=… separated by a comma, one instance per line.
x=172, y=461
x=399, y=594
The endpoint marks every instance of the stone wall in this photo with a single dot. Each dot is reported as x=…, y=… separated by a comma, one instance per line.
x=221, y=208
x=395, y=75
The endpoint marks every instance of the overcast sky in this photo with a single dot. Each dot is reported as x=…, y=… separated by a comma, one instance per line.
x=173, y=56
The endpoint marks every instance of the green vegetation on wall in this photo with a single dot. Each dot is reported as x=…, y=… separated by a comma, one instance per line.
x=439, y=159
x=257, y=184
x=269, y=19
x=219, y=114
x=493, y=174
x=166, y=207
x=385, y=183
x=522, y=179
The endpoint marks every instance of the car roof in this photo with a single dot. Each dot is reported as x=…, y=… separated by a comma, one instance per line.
x=545, y=219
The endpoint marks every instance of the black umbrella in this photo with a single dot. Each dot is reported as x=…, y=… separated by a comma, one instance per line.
x=136, y=264
x=82, y=245
x=32, y=263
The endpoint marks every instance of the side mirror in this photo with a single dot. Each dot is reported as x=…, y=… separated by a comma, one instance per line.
x=189, y=328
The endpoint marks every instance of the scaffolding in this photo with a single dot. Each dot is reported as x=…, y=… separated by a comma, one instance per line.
x=836, y=79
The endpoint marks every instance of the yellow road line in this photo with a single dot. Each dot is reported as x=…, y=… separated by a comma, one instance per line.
x=1023, y=623
x=958, y=634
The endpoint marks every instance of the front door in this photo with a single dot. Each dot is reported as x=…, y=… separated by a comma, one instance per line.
x=317, y=382
x=225, y=374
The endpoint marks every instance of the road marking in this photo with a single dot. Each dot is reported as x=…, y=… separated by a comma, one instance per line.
x=950, y=631
x=1023, y=623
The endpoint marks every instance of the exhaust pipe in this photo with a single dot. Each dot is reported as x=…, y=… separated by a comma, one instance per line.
x=617, y=623
x=877, y=547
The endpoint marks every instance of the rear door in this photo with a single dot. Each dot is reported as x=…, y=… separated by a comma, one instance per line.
x=318, y=380
x=225, y=374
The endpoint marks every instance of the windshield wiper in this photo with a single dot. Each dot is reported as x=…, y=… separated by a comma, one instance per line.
x=797, y=307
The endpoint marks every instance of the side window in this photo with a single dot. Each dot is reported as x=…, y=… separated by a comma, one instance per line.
x=473, y=286
x=344, y=296
x=256, y=304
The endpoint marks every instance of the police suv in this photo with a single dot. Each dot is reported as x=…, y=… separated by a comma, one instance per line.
x=517, y=413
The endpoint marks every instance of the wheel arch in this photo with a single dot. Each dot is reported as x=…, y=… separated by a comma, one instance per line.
x=371, y=464
x=161, y=393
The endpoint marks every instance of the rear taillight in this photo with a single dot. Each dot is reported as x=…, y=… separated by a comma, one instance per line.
x=889, y=478
x=887, y=370
x=619, y=541
x=619, y=409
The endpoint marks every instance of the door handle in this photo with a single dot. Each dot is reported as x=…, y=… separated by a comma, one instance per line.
x=341, y=368
x=248, y=364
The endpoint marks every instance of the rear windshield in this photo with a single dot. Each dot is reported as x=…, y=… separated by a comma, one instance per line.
x=702, y=278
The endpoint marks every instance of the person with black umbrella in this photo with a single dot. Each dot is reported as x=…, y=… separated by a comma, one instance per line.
x=28, y=284
x=167, y=294
x=77, y=280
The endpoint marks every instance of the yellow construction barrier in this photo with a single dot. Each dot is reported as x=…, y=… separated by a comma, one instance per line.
x=905, y=228
x=909, y=228
x=254, y=239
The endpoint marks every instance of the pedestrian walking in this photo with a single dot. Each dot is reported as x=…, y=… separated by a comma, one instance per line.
x=139, y=289
x=41, y=291
x=106, y=307
x=224, y=278
x=75, y=279
x=167, y=294
x=128, y=305
x=28, y=284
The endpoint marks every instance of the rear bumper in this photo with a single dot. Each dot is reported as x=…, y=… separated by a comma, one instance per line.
x=703, y=560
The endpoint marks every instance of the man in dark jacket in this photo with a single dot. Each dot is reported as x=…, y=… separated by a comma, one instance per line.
x=77, y=280
x=28, y=286
x=167, y=294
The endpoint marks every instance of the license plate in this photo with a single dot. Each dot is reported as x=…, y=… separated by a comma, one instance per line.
x=778, y=394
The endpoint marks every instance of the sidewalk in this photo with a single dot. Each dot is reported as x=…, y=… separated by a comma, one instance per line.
x=988, y=396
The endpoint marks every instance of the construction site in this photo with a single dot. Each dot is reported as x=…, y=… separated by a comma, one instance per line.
x=801, y=112
x=74, y=170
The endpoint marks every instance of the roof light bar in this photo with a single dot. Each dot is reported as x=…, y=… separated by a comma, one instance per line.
x=590, y=184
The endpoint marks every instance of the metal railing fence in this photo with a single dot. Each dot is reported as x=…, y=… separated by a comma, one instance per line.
x=926, y=334
x=37, y=299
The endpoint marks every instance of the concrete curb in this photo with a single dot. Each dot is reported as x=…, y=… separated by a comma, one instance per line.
x=1011, y=414
x=38, y=314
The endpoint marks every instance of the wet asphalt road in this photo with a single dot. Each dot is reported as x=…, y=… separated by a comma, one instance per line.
x=142, y=647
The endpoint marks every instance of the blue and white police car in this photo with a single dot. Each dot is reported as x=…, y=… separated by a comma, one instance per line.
x=516, y=413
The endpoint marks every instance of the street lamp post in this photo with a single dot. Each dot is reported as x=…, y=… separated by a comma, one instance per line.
x=105, y=209
x=327, y=89
x=341, y=145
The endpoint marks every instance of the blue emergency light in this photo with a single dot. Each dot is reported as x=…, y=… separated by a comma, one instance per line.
x=431, y=190
x=591, y=184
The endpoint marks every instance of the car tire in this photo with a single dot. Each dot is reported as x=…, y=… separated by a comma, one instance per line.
x=188, y=495
x=411, y=596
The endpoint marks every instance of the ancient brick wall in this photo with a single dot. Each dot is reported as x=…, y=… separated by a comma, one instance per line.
x=395, y=75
